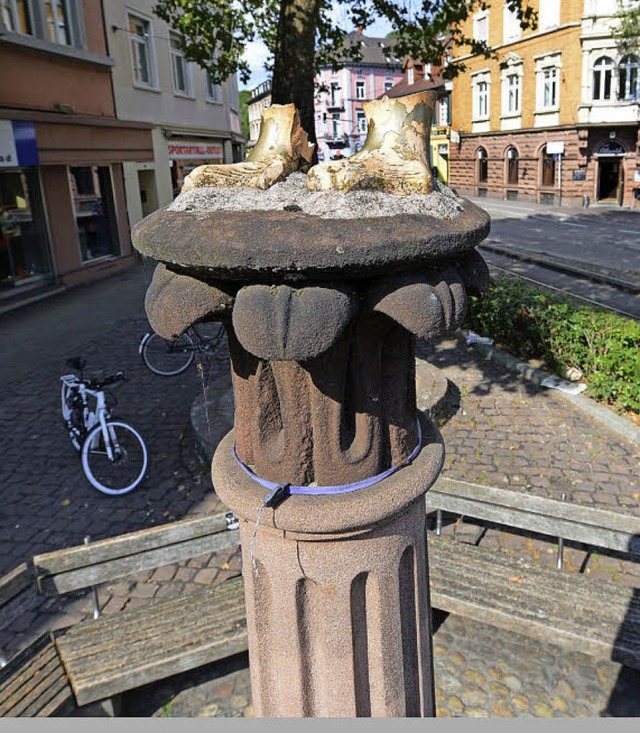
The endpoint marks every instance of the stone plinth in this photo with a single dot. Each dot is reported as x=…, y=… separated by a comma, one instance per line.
x=321, y=317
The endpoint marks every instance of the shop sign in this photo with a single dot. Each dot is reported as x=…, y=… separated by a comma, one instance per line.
x=555, y=147
x=189, y=151
x=18, y=145
x=454, y=136
x=579, y=175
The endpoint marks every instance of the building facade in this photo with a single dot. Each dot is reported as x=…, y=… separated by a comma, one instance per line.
x=63, y=215
x=194, y=121
x=260, y=99
x=556, y=119
x=341, y=126
x=419, y=77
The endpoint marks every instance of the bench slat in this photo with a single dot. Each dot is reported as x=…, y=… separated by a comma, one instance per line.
x=34, y=683
x=130, y=649
x=59, y=573
x=581, y=613
x=610, y=530
x=13, y=583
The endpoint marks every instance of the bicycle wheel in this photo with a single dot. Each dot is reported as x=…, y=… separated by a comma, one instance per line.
x=168, y=358
x=72, y=413
x=125, y=469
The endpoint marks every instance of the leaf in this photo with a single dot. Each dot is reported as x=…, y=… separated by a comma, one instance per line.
x=65, y=502
x=516, y=579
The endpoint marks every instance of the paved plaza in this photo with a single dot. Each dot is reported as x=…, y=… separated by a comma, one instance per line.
x=500, y=430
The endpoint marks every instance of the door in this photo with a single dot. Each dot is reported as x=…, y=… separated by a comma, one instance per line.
x=609, y=170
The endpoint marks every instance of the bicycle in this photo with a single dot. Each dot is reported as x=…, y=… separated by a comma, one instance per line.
x=114, y=455
x=170, y=357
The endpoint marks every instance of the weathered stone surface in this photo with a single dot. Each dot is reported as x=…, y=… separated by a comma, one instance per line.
x=174, y=302
x=274, y=246
x=281, y=148
x=395, y=156
x=279, y=322
x=474, y=273
x=428, y=305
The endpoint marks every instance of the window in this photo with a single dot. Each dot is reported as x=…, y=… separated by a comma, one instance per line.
x=214, y=91
x=360, y=90
x=549, y=88
x=628, y=78
x=336, y=125
x=179, y=67
x=482, y=108
x=387, y=85
x=58, y=20
x=511, y=30
x=602, y=78
x=444, y=109
x=94, y=211
x=548, y=168
x=411, y=75
x=335, y=94
x=512, y=167
x=361, y=121
x=513, y=94
x=16, y=16
x=142, y=51
x=549, y=14
x=483, y=166
x=481, y=26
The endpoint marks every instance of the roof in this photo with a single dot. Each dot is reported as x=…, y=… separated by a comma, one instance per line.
x=422, y=82
x=372, y=49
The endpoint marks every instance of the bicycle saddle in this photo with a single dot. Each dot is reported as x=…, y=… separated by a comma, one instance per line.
x=77, y=362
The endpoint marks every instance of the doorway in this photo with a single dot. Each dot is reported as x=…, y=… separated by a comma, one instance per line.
x=609, y=179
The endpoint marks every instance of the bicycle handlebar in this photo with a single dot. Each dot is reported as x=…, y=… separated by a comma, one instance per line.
x=111, y=379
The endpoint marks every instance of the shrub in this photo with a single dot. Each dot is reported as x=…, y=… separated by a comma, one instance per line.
x=534, y=324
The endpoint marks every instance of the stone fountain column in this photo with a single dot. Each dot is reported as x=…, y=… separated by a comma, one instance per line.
x=329, y=461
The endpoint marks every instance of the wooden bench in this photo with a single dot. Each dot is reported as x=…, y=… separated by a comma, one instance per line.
x=107, y=655
x=597, y=617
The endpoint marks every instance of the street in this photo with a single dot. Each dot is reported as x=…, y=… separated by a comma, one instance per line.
x=591, y=253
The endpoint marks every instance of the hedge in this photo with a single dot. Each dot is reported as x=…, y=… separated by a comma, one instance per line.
x=535, y=324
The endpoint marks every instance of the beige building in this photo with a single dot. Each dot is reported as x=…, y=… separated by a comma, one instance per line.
x=260, y=99
x=195, y=121
x=556, y=119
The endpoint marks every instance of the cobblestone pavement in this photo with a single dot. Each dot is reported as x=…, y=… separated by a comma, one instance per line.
x=500, y=430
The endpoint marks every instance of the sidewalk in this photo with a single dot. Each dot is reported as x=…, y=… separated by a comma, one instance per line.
x=503, y=431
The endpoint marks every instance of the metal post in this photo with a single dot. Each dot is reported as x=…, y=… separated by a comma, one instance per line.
x=94, y=590
x=438, y=522
x=560, y=560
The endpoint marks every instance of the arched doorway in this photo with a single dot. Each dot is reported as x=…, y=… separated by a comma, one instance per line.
x=610, y=157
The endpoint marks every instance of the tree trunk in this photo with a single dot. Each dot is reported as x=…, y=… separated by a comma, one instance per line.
x=293, y=67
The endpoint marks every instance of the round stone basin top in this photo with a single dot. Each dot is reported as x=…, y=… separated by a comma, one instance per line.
x=272, y=245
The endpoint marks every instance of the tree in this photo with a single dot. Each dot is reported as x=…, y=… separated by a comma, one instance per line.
x=302, y=36
x=627, y=29
x=244, y=96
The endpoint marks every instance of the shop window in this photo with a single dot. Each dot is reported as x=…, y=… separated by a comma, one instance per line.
x=24, y=248
x=16, y=16
x=628, y=78
x=179, y=67
x=94, y=211
x=602, y=78
x=512, y=167
x=548, y=168
x=482, y=166
x=142, y=51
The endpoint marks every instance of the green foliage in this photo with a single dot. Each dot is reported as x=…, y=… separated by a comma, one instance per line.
x=533, y=324
x=627, y=29
x=215, y=33
x=244, y=96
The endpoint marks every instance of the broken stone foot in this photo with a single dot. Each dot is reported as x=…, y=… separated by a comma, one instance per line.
x=282, y=148
x=395, y=156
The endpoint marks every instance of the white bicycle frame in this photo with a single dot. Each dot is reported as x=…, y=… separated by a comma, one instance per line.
x=89, y=417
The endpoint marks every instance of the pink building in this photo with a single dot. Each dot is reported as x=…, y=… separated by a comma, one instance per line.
x=341, y=127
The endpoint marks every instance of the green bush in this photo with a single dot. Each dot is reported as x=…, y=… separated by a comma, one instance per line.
x=533, y=324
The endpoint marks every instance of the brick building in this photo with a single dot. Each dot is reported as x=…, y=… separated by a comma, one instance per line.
x=556, y=118
x=63, y=213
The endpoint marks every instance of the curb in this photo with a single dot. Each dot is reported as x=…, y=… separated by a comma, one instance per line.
x=614, y=422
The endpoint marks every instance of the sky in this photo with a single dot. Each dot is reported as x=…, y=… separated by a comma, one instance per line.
x=256, y=52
